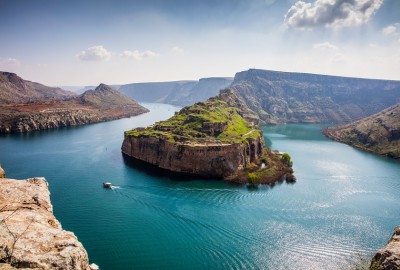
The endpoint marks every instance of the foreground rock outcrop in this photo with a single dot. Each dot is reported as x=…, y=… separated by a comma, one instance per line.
x=378, y=133
x=388, y=258
x=102, y=104
x=30, y=235
x=218, y=138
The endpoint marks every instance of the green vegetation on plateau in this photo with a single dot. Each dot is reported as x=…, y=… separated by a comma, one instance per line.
x=219, y=119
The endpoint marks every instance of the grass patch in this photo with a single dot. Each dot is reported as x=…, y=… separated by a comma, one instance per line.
x=218, y=119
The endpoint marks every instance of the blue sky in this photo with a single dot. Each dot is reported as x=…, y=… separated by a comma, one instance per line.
x=87, y=42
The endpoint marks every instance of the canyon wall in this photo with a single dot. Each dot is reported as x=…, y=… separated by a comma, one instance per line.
x=213, y=160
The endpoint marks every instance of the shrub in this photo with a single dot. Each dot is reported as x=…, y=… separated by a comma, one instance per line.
x=287, y=159
x=253, y=178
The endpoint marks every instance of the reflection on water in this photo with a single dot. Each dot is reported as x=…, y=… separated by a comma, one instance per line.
x=345, y=202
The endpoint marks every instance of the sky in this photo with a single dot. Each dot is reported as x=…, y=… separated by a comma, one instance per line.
x=78, y=42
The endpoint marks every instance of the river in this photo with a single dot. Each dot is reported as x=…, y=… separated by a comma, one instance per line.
x=343, y=206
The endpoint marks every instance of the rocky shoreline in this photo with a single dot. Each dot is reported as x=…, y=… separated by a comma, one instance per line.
x=378, y=133
x=30, y=235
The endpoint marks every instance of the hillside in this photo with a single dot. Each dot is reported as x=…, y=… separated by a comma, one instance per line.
x=280, y=97
x=102, y=104
x=181, y=93
x=378, y=133
x=13, y=89
x=218, y=138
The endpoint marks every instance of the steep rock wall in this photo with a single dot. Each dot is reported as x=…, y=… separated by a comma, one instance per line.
x=30, y=235
x=40, y=121
x=206, y=160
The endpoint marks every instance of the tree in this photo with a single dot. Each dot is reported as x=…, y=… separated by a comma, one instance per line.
x=287, y=159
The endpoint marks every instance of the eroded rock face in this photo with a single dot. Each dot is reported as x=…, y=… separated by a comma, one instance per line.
x=2, y=173
x=388, y=258
x=206, y=160
x=30, y=235
x=378, y=133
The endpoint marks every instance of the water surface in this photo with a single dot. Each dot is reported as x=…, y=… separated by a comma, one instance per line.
x=345, y=203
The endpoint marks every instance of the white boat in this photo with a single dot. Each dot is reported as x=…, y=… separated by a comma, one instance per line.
x=107, y=185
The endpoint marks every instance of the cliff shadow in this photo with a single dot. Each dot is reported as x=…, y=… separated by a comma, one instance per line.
x=158, y=172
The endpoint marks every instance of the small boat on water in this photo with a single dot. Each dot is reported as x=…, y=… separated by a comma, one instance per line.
x=107, y=185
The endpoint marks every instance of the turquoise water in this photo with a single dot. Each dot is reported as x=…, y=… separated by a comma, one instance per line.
x=345, y=203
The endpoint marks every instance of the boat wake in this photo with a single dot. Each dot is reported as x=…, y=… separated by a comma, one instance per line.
x=115, y=187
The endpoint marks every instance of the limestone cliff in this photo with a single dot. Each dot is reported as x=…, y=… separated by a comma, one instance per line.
x=279, y=97
x=388, y=258
x=2, y=173
x=30, y=235
x=101, y=104
x=218, y=138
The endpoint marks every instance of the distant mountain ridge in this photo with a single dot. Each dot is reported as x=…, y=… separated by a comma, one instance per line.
x=181, y=93
x=14, y=89
x=102, y=104
x=280, y=97
x=378, y=133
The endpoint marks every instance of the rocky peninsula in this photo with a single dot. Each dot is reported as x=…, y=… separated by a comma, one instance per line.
x=30, y=236
x=102, y=104
x=378, y=133
x=218, y=138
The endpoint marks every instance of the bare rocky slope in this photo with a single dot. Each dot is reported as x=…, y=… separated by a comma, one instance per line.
x=282, y=97
x=218, y=138
x=181, y=93
x=30, y=236
x=102, y=104
x=13, y=89
x=388, y=258
x=378, y=133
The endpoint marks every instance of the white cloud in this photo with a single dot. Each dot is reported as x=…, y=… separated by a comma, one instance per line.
x=339, y=58
x=9, y=64
x=177, y=50
x=325, y=46
x=331, y=13
x=138, y=55
x=392, y=30
x=94, y=53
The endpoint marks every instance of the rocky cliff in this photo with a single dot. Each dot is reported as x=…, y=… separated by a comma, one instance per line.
x=13, y=89
x=218, y=138
x=30, y=235
x=388, y=258
x=280, y=97
x=101, y=104
x=181, y=93
x=379, y=133
x=2, y=173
